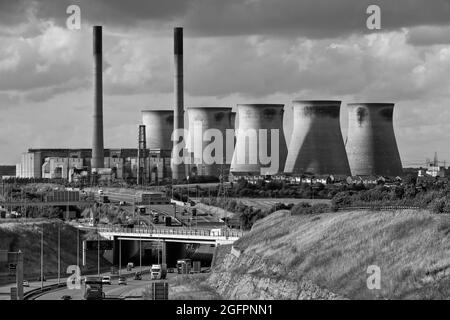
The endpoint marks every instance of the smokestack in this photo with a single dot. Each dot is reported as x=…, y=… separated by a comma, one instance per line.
x=97, y=160
x=178, y=114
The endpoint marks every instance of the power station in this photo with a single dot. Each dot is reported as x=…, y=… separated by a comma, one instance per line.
x=258, y=146
x=255, y=120
x=316, y=144
x=371, y=145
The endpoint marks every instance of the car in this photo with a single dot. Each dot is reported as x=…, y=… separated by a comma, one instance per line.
x=106, y=280
x=122, y=280
x=66, y=297
x=25, y=283
x=122, y=203
x=170, y=270
x=100, y=191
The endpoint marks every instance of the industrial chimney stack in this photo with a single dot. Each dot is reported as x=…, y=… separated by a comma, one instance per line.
x=178, y=114
x=97, y=141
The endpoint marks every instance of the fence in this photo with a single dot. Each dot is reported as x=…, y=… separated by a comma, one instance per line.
x=383, y=208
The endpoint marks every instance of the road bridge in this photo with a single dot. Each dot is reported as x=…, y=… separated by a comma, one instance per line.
x=182, y=235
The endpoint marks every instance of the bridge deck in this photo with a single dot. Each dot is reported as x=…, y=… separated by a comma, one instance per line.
x=213, y=236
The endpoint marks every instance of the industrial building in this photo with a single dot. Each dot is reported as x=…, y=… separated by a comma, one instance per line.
x=60, y=164
x=371, y=146
x=257, y=118
x=7, y=171
x=316, y=144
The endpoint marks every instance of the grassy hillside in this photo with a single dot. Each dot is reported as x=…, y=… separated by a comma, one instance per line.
x=333, y=250
x=26, y=236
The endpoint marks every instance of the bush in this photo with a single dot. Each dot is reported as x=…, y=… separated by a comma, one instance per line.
x=305, y=208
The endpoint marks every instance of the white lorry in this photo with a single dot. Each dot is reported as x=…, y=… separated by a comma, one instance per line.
x=158, y=271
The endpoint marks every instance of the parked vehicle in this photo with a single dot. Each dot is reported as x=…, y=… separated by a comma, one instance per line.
x=158, y=271
x=122, y=280
x=106, y=280
x=25, y=283
x=100, y=191
x=66, y=297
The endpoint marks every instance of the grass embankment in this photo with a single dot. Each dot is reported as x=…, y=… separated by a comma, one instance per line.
x=26, y=236
x=334, y=250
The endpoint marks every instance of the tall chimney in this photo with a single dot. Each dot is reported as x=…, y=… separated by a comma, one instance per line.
x=97, y=160
x=178, y=114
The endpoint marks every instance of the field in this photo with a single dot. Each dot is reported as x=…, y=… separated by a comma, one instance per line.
x=267, y=203
x=334, y=251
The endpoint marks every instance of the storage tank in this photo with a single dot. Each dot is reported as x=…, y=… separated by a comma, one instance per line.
x=316, y=145
x=371, y=145
x=207, y=118
x=158, y=127
x=247, y=155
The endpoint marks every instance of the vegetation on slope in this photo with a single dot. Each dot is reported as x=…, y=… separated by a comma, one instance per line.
x=26, y=236
x=334, y=250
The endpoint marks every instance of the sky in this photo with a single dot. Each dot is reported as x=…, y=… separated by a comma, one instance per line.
x=235, y=51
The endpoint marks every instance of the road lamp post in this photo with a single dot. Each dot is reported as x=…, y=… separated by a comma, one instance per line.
x=78, y=247
x=59, y=253
x=98, y=254
x=120, y=255
x=42, y=257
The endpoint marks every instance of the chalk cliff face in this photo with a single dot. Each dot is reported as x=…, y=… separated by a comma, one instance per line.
x=243, y=276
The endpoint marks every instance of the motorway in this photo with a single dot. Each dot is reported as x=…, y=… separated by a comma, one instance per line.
x=132, y=290
x=201, y=219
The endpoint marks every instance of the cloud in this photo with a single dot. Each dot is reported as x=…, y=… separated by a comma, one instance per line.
x=429, y=35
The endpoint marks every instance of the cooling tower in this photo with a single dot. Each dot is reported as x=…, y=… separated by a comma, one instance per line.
x=97, y=140
x=178, y=171
x=249, y=154
x=316, y=144
x=159, y=127
x=207, y=118
x=371, y=146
